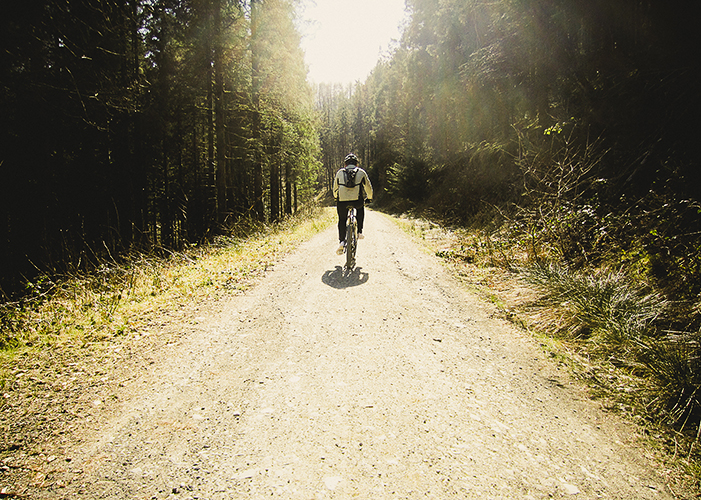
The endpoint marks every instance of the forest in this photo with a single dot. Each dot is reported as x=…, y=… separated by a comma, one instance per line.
x=143, y=125
x=563, y=135
x=578, y=119
x=561, y=129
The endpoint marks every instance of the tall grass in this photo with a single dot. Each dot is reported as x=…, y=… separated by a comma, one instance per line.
x=602, y=306
x=674, y=363
x=620, y=322
x=118, y=297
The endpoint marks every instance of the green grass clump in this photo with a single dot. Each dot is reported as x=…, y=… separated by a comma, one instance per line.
x=603, y=305
x=620, y=323
x=674, y=363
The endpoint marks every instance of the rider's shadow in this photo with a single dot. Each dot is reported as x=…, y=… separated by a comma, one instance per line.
x=342, y=278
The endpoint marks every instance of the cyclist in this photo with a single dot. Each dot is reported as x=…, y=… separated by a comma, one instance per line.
x=350, y=175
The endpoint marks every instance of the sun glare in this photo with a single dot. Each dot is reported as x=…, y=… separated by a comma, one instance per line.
x=343, y=40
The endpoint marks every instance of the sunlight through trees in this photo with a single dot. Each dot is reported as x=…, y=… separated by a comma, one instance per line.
x=141, y=124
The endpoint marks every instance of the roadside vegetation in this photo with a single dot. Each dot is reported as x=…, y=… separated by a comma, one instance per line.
x=610, y=323
x=62, y=345
x=117, y=296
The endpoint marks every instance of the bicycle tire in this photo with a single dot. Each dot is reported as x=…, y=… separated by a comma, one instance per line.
x=351, y=241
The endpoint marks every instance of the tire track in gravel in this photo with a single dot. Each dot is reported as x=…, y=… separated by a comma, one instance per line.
x=390, y=382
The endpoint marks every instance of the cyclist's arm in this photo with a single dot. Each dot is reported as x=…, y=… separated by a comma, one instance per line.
x=368, y=187
x=335, y=187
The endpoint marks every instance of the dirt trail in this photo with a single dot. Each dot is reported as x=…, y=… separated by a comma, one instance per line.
x=393, y=382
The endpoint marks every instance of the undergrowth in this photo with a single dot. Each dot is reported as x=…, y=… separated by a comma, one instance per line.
x=602, y=306
x=622, y=323
x=118, y=298
x=611, y=328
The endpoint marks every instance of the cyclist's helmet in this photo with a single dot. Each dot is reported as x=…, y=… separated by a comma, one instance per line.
x=351, y=159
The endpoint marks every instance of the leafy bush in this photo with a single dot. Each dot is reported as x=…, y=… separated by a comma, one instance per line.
x=562, y=178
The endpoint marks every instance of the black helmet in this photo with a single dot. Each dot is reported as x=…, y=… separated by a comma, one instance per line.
x=351, y=159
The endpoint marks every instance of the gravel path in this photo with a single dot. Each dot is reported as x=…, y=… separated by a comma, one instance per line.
x=391, y=382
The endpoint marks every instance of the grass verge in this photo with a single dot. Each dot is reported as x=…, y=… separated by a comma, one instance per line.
x=118, y=298
x=602, y=327
x=67, y=348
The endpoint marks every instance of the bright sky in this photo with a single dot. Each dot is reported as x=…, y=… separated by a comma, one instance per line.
x=344, y=39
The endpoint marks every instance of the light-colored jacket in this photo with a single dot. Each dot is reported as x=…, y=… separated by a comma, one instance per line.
x=361, y=191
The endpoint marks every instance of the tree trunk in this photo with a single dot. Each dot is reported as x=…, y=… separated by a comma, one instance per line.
x=274, y=179
x=219, y=114
x=288, y=188
x=259, y=206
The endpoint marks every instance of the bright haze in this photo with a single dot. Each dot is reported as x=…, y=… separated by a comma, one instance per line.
x=344, y=39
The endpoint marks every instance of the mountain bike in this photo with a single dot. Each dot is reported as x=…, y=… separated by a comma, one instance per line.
x=351, y=238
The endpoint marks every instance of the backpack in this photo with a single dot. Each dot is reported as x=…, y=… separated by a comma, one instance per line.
x=349, y=176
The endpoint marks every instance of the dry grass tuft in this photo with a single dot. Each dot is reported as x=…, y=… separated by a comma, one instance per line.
x=603, y=306
x=119, y=298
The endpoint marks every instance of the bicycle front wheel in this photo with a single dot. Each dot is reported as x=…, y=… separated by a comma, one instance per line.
x=351, y=243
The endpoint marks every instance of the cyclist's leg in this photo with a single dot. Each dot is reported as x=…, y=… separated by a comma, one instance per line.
x=342, y=210
x=360, y=215
x=342, y=214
